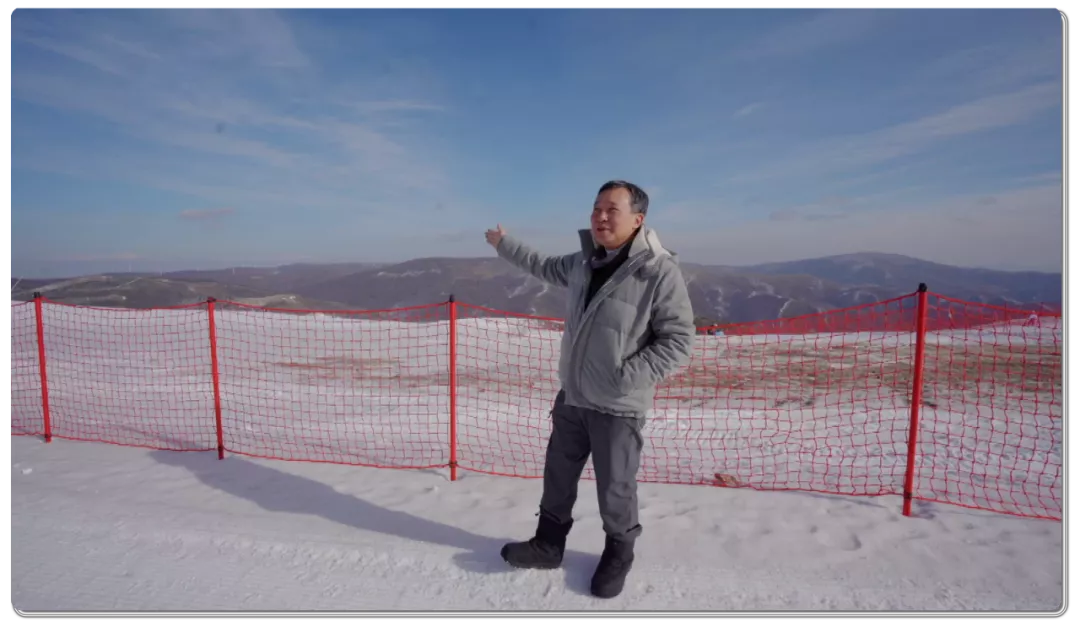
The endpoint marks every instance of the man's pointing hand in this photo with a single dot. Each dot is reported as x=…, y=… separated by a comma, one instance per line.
x=494, y=236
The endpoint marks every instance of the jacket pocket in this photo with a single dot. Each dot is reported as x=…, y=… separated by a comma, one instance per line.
x=600, y=366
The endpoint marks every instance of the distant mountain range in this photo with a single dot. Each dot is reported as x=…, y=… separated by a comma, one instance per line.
x=720, y=294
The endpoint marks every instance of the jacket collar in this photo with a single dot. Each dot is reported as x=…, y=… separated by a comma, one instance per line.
x=644, y=241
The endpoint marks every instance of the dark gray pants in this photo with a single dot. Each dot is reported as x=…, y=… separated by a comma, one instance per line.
x=615, y=444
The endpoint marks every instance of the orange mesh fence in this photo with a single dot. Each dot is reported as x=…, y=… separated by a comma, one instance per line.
x=507, y=378
x=818, y=403
x=366, y=388
x=990, y=433
x=26, y=404
x=776, y=408
x=130, y=377
x=814, y=404
x=895, y=315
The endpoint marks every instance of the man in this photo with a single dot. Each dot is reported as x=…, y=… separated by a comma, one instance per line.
x=628, y=325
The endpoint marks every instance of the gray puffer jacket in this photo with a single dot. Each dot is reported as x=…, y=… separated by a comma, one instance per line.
x=637, y=330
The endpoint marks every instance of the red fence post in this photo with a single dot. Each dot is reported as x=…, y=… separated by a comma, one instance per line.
x=453, y=389
x=217, y=383
x=916, y=396
x=39, y=313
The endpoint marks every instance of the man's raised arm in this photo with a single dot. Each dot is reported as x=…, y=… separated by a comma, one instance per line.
x=553, y=270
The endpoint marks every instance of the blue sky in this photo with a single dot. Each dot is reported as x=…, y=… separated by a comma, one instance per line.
x=161, y=140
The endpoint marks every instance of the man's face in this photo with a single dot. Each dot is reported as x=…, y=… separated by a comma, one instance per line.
x=613, y=222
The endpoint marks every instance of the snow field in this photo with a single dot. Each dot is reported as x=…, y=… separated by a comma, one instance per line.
x=103, y=528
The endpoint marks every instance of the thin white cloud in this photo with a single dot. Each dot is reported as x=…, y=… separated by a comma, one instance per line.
x=748, y=109
x=988, y=68
x=105, y=257
x=206, y=214
x=370, y=107
x=832, y=28
x=847, y=154
x=84, y=55
x=983, y=114
x=131, y=48
x=1051, y=176
x=278, y=136
x=257, y=36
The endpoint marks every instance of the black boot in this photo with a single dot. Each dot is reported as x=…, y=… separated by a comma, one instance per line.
x=544, y=550
x=615, y=563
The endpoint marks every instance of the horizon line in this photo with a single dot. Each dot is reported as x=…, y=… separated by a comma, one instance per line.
x=375, y=264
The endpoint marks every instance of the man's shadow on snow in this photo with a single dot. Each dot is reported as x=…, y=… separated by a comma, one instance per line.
x=277, y=491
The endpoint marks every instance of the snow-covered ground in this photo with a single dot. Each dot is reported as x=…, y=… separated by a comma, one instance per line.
x=99, y=527
x=158, y=529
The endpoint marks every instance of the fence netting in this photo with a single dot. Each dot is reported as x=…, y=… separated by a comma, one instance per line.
x=363, y=388
x=819, y=403
x=27, y=417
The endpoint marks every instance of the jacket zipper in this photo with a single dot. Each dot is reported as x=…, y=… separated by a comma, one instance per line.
x=590, y=308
